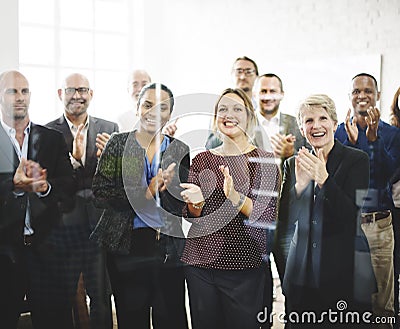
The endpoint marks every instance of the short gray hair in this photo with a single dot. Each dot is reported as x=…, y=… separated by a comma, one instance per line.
x=317, y=100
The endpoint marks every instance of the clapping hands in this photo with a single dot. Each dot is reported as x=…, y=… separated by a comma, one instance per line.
x=30, y=177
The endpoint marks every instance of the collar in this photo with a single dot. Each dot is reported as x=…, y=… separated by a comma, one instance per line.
x=72, y=126
x=263, y=121
x=11, y=131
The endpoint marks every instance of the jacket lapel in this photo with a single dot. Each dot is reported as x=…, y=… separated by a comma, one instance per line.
x=62, y=125
x=335, y=158
x=34, y=142
x=91, y=140
x=283, y=123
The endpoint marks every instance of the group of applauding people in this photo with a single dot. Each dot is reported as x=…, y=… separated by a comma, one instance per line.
x=82, y=204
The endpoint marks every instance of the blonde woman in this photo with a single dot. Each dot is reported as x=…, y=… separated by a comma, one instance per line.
x=231, y=198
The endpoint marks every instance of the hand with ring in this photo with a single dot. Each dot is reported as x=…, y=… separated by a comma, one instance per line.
x=372, y=120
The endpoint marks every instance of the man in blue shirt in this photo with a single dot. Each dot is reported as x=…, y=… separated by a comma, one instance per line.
x=381, y=142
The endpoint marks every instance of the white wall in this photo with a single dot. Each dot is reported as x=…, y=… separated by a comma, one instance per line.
x=190, y=45
x=9, y=34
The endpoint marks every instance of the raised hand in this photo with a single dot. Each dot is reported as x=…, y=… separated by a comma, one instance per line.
x=310, y=167
x=192, y=193
x=283, y=145
x=78, y=147
x=351, y=128
x=161, y=181
x=30, y=177
x=167, y=176
x=101, y=141
x=171, y=128
x=372, y=120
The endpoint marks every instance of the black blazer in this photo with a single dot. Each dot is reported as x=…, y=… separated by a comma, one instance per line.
x=321, y=253
x=84, y=212
x=47, y=147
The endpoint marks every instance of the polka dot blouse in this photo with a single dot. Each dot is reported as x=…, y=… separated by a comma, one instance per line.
x=222, y=237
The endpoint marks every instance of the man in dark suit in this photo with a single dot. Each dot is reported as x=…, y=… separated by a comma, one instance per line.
x=86, y=137
x=36, y=183
x=319, y=194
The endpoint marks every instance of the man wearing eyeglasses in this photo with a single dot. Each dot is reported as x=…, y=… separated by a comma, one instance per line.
x=36, y=184
x=86, y=137
x=245, y=73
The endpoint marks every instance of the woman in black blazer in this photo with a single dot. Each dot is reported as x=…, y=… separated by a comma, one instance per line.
x=321, y=194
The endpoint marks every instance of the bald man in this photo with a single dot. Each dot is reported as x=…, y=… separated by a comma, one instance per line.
x=86, y=136
x=137, y=80
x=35, y=183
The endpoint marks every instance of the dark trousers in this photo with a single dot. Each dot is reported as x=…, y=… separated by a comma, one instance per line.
x=268, y=298
x=222, y=299
x=77, y=254
x=312, y=308
x=13, y=285
x=29, y=270
x=142, y=280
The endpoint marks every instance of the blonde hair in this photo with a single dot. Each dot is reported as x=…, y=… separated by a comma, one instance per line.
x=317, y=100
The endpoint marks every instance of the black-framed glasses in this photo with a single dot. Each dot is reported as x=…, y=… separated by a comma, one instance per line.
x=80, y=90
x=247, y=72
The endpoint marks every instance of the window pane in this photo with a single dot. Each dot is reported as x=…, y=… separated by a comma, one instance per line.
x=36, y=45
x=76, y=48
x=111, y=51
x=117, y=21
x=76, y=13
x=44, y=94
x=38, y=11
x=110, y=95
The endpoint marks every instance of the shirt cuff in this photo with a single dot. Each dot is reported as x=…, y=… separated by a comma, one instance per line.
x=44, y=194
x=75, y=163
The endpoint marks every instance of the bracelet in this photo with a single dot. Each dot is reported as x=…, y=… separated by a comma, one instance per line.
x=242, y=199
x=198, y=205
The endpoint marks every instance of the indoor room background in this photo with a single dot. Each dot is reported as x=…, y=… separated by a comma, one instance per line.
x=315, y=46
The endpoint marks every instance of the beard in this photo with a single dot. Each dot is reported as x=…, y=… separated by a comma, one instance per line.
x=269, y=111
x=20, y=115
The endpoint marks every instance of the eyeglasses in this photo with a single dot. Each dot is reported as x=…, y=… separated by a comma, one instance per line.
x=247, y=72
x=80, y=90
